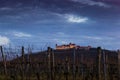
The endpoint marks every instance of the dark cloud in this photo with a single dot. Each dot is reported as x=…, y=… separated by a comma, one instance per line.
x=60, y=3
x=94, y=9
x=72, y=6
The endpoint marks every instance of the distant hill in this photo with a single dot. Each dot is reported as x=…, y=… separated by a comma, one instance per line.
x=88, y=57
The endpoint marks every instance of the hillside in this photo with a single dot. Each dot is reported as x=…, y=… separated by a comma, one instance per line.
x=81, y=55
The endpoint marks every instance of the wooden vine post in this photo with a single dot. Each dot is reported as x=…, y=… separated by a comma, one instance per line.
x=104, y=60
x=23, y=63
x=49, y=63
x=118, y=65
x=99, y=62
x=4, y=61
x=74, y=65
x=53, y=65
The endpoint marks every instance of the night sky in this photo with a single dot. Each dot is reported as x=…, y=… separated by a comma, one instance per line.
x=48, y=22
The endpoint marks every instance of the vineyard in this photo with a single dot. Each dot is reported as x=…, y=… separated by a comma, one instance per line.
x=72, y=64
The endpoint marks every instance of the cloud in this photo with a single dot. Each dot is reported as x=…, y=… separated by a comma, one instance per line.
x=21, y=34
x=61, y=34
x=93, y=37
x=60, y=41
x=6, y=9
x=4, y=40
x=76, y=19
x=93, y=3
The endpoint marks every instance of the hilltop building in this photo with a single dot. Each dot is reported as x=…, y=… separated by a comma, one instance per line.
x=71, y=46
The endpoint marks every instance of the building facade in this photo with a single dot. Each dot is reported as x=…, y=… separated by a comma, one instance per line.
x=71, y=46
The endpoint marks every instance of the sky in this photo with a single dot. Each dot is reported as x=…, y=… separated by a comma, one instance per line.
x=43, y=23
